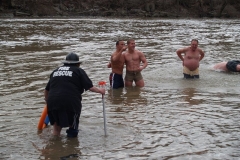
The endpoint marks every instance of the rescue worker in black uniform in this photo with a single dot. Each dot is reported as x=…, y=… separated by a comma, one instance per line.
x=63, y=95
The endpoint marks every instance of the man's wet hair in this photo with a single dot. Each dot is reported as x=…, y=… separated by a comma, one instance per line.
x=194, y=40
x=117, y=43
x=128, y=41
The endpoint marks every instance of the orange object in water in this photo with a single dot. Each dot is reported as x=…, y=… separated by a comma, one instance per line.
x=101, y=83
x=41, y=124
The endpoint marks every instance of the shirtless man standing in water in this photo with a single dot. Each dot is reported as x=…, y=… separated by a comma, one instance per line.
x=133, y=59
x=192, y=56
x=117, y=64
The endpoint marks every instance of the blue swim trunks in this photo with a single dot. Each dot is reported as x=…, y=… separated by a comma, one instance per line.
x=116, y=80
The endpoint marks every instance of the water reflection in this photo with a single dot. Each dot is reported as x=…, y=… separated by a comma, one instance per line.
x=129, y=96
x=133, y=96
x=61, y=148
x=115, y=96
x=190, y=96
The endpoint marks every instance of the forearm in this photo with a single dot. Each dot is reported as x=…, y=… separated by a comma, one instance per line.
x=201, y=57
x=117, y=56
x=109, y=65
x=144, y=65
x=94, y=89
x=180, y=55
x=97, y=90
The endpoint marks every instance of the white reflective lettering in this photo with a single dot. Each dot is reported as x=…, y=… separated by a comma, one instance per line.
x=63, y=68
x=62, y=73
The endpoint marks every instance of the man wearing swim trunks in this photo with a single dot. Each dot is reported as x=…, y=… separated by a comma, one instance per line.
x=63, y=95
x=191, y=57
x=133, y=59
x=117, y=65
x=230, y=66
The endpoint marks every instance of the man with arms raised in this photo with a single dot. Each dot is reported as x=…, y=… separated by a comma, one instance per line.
x=191, y=57
x=133, y=59
x=117, y=65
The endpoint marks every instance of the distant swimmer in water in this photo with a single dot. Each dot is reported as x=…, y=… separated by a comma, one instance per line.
x=230, y=66
x=191, y=56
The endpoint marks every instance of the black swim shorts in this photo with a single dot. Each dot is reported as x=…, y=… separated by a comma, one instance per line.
x=232, y=65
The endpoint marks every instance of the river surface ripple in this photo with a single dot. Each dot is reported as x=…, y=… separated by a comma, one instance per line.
x=169, y=118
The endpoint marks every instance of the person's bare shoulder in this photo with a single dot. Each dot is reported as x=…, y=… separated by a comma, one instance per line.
x=184, y=49
x=139, y=52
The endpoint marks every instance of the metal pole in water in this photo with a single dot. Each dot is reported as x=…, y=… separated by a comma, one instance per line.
x=102, y=84
x=104, y=116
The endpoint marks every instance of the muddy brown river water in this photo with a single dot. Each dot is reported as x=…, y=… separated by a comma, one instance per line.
x=170, y=118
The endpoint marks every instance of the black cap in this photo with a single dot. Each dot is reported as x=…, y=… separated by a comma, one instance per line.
x=72, y=58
